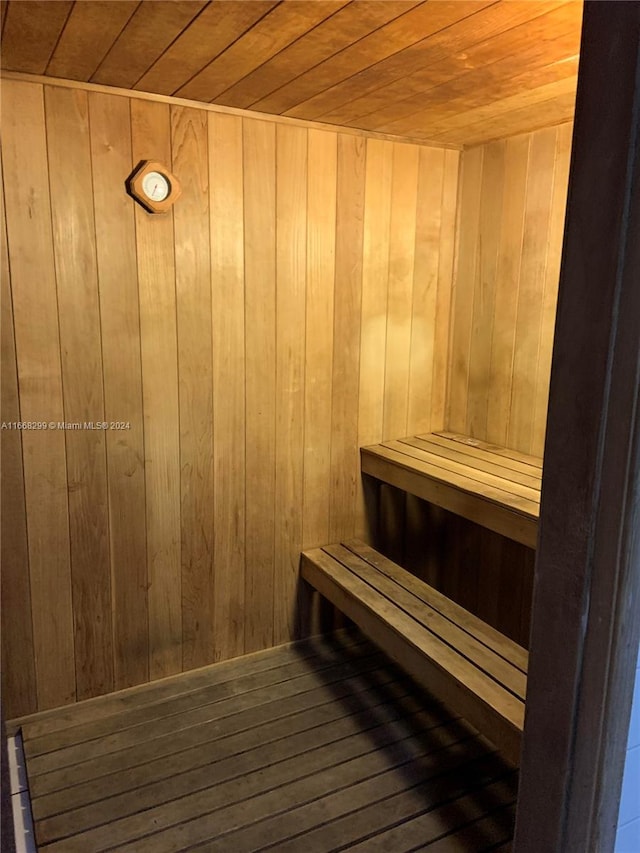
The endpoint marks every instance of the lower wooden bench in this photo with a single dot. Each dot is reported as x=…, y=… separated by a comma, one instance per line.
x=459, y=658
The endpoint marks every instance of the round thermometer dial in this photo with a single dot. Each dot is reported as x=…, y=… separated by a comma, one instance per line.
x=155, y=186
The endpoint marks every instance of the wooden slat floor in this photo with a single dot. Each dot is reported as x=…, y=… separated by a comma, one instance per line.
x=322, y=745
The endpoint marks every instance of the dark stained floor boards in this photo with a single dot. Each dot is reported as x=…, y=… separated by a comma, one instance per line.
x=318, y=746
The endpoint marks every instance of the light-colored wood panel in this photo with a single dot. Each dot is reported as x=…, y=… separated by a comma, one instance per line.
x=402, y=228
x=346, y=331
x=190, y=161
x=507, y=283
x=466, y=274
x=442, y=337
x=303, y=97
x=529, y=214
x=275, y=31
x=373, y=322
x=18, y=670
x=535, y=245
x=31, y=258
x=428, y=237
x=342, y=29
x=88, y=34
x=550, y=292
x=30, y=33
x=484, y=296
x=320, y=273
x=69, y=151
x=150, y=128
x=291, y=261
x=454, y=28
x=259, y=146
x=229, y=423
x=153, y=27
x=110, y=125
x=542, y=40
x=219, y=25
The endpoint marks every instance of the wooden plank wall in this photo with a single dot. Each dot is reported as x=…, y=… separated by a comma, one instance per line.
x=511, y=218
x=293, y=306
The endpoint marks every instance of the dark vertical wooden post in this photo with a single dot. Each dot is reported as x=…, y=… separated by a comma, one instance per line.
x=586, y=618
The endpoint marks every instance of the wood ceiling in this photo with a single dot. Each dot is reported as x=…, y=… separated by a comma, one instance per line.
x=453, y=71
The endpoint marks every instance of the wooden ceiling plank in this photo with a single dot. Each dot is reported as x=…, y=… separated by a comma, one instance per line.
x=91, y=29
x=466, y=26
x=400, y=98
x=478, y=87
x=385, y=41
x=557, y=79
x=154, y=26
x=31, y=32
x=217, y=26
x=4, y=5
x=524, y=120
x=349, y=25
x=283, y=25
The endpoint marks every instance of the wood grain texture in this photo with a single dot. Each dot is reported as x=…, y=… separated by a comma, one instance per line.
x=320, y=275
x=227, y=336
x=151, y=29
x=89, y=32
x=18, y=670
x=31, y=256
x=151, y=139
x=111, y=156
x=189, y=148
x=346, y=335
x=30, y=34
x=511, y=222
x=291, y=263
x=459, y=71
x=259, y=150
x=226, y=222
x=67, y=117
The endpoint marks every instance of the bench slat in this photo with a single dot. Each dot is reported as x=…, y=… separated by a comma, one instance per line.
x=455, y=453
x=469, y=478
x=458, y=682
x=494, y=512
x=501, y=645
x=501, y=671
x=493, y=449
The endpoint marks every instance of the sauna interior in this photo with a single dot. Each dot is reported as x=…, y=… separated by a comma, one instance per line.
x=366, y=248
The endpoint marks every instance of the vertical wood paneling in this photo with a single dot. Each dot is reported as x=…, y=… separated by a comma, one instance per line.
x=447, y=244
x=26, y=175
x=552, y=275
x=151, y=139
x=507, y=283
x=429, y=182
x=373, y=320
x=484, y=297
x=259, y=145
x=509, y=245
x=110, y=126
x=463, y=288
x=67, y=116
x=18, y=671
x=291, y=261
x=535, y=248
x=189, y=144
x=243, y=340
x=227, y=302
x=346, y=330
x=321, y=251
x=402, y=229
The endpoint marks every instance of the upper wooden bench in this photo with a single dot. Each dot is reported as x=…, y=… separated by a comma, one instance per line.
x=493, y=486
